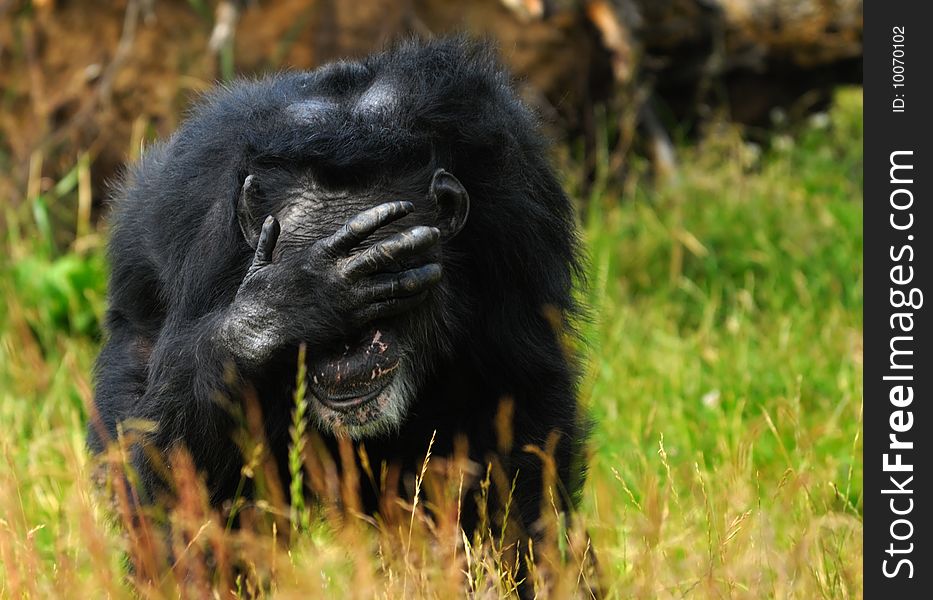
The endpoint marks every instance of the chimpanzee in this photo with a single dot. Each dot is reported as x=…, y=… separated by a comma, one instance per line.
x=395, y=216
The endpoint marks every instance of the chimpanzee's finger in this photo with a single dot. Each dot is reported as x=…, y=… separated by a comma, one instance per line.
x=268, y=237
x=390, y=308
x=383, y=253
x=401, y=285
x=364, y=224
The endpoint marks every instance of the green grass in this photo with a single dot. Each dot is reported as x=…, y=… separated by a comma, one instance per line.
x=723, y=373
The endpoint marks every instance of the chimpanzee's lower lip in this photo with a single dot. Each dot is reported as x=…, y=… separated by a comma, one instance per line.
x=349, y=400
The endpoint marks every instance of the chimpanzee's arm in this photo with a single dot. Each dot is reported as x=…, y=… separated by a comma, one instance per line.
x=193, y=393
x=161, y=389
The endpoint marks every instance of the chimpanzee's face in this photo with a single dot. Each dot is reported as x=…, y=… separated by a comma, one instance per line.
x=363, y=383
x=364, y=373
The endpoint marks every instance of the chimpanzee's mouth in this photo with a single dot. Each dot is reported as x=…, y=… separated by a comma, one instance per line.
x=349, y=399
x=351, y=386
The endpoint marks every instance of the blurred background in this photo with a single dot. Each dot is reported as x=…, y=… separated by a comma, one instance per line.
x=714, y=150
x=102, y=77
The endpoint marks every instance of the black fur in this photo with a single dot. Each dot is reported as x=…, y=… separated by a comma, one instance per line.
x=486, y=333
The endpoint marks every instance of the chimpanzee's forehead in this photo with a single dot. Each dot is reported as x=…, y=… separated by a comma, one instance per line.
x=363, y=118
x=311, y=111
x=380, y=96
x=370, y=100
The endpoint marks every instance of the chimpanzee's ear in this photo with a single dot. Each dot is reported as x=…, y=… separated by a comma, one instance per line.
x=249, y=224
x=453, y=203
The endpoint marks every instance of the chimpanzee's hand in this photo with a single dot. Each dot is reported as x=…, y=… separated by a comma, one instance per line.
x=328, y=290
